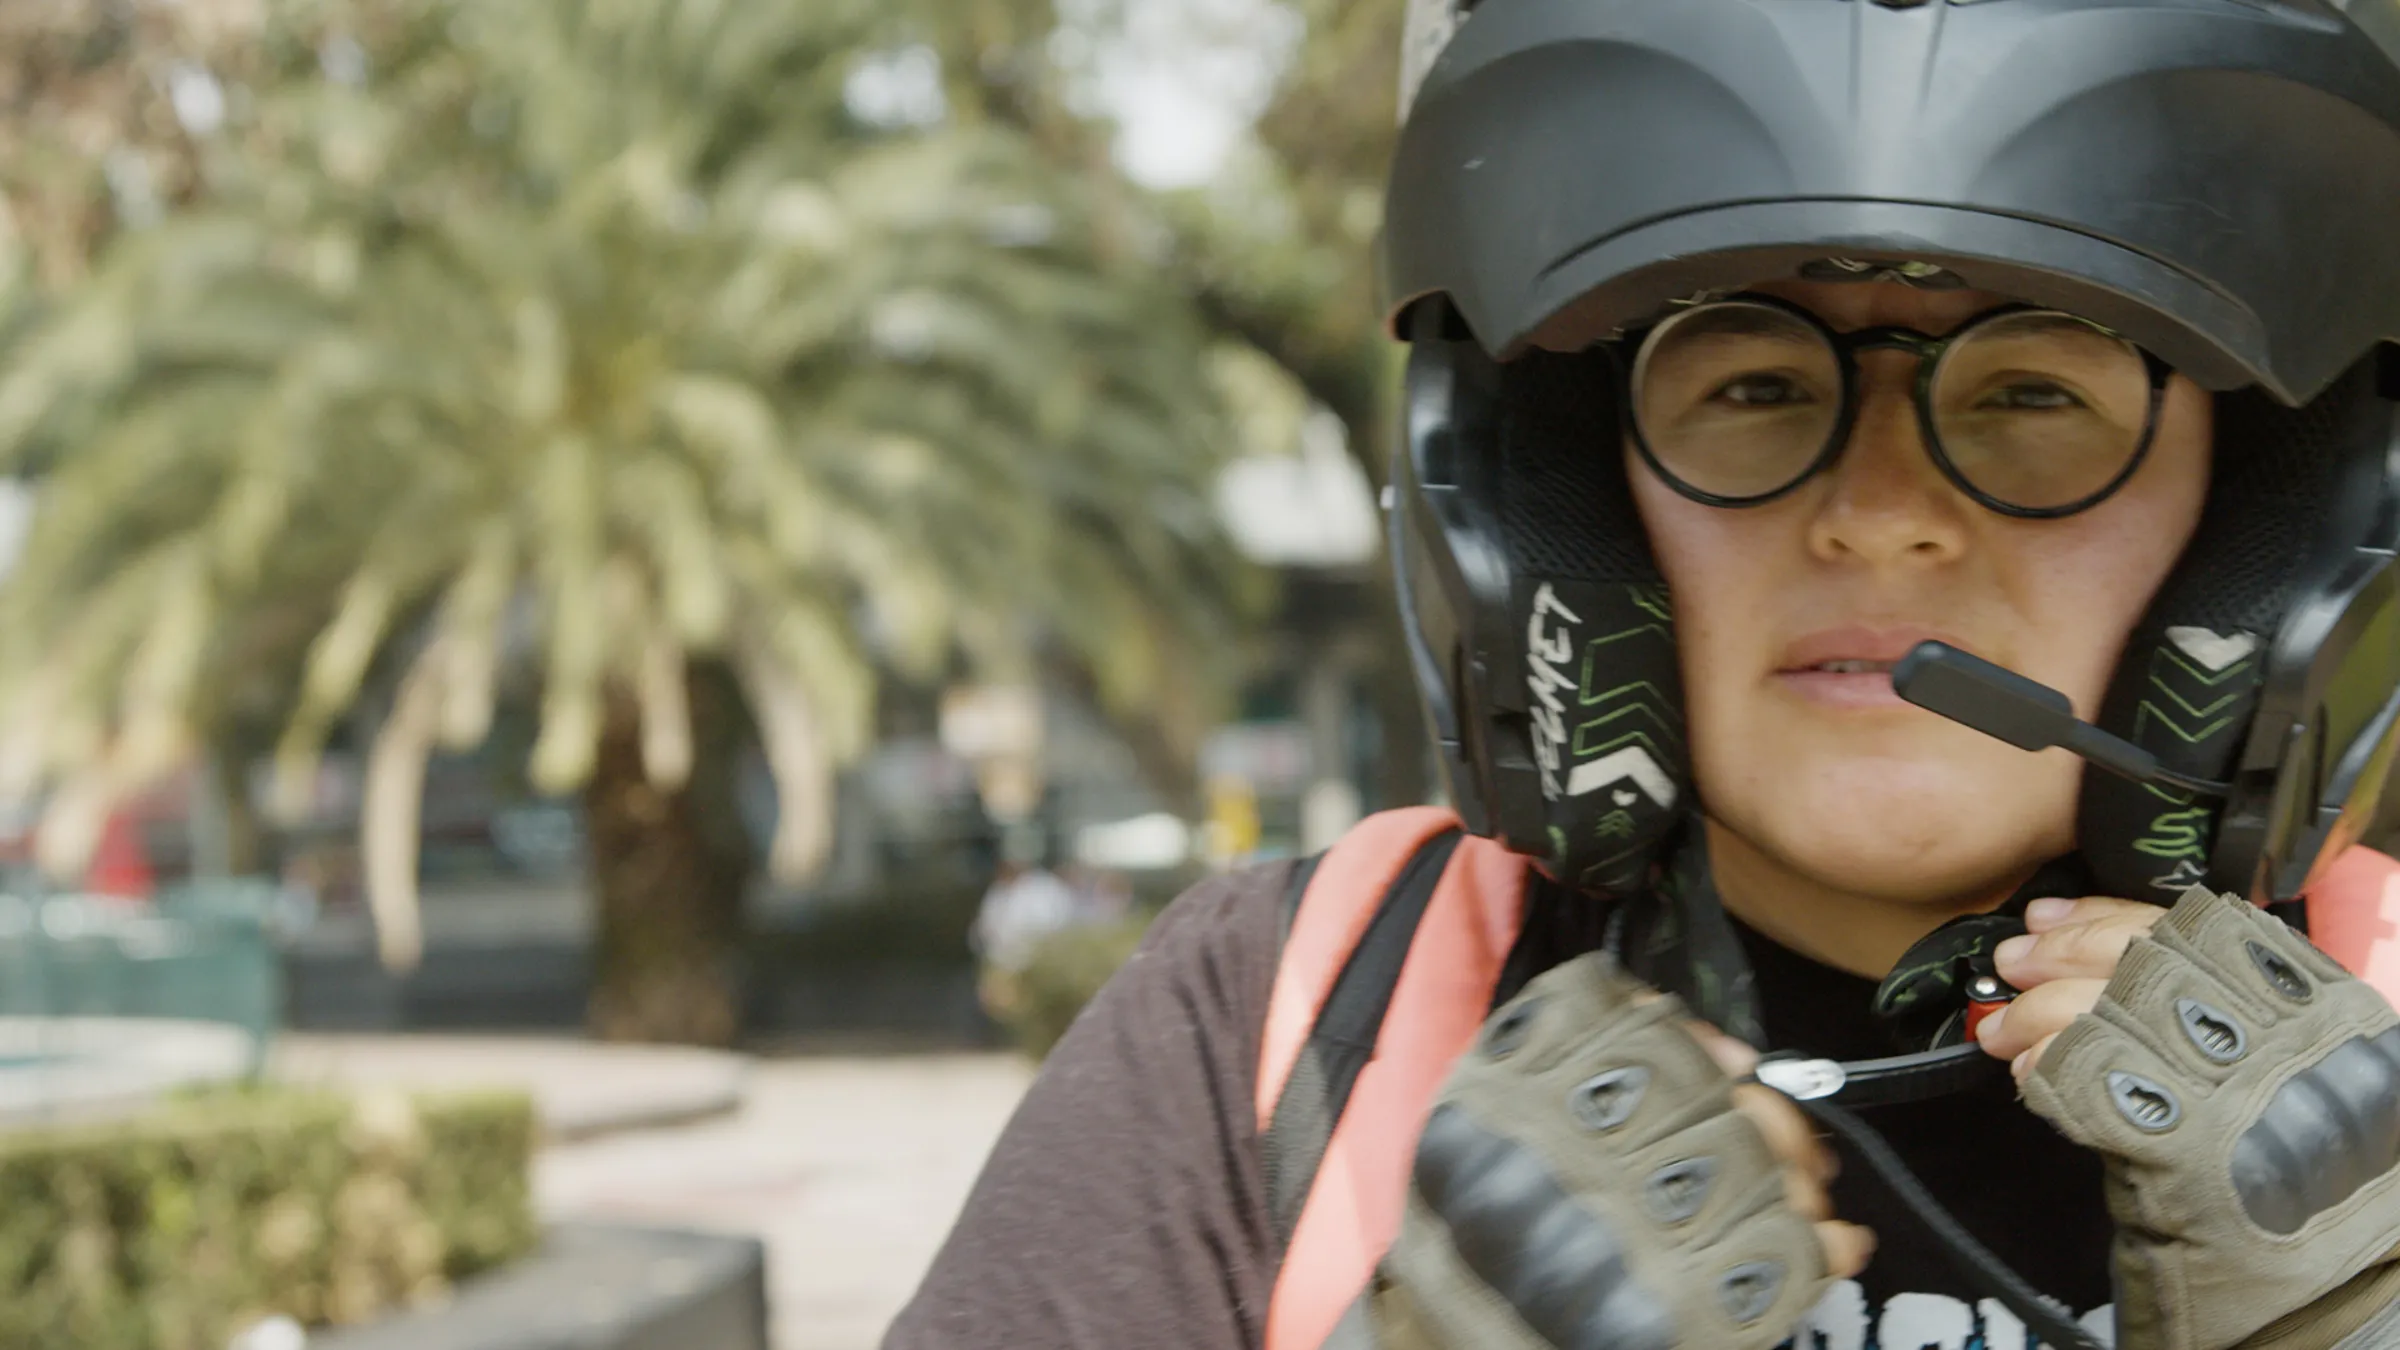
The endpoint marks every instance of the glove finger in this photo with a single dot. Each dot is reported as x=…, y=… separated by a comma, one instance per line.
x=2136, y=1107
x=1564, y=1008
x=2221, y=983
x=1765, y=1277
x=2267, y=943
x=1621, y=1067
x=1701, y=1182
x=2246, y=1094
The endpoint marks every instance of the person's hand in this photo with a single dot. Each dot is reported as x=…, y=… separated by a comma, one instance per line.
x=2244, y=1092
x=2067, y=957
x=1592, y=1174
x=1808, y=1165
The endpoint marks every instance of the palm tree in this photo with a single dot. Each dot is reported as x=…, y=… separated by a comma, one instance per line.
x=612, y=330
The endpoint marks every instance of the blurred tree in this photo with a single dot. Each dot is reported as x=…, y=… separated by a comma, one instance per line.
x=702, y=351
x=1280, y=252
x=1283, y=248
x=102, y=105
x=1279, y=247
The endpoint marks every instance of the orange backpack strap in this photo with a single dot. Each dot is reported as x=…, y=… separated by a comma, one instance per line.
x=1342, y=1040
x=1391, y=957
x=2354, y=917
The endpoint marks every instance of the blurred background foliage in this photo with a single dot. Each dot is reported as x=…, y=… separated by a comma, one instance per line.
x=687, y=369
x=1066, y=972
x=178, y=1229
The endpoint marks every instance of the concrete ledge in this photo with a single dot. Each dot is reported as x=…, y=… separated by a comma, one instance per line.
x=595, y=1287
x=59, y=1069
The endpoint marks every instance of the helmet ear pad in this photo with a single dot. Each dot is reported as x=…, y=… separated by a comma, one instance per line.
x=1602, y=688
x=2187, y=688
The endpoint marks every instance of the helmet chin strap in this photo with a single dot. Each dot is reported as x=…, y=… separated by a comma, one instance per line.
x=2044, y=1317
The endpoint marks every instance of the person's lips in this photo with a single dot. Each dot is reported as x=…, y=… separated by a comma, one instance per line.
x=1852, y=667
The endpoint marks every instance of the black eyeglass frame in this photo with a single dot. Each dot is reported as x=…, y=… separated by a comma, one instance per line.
x=1625, y=352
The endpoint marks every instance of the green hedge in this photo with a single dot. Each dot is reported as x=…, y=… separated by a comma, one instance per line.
x=1062, y=974
x=174, y=1230
x=911, y=927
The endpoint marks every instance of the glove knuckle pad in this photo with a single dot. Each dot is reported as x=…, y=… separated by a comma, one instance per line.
x=1742, y=1178
x=2157, y=972
x=1587, y=1178
x=1637, y=1083
x=2134, y=1105
x=1561, y=1267
x=2245, y=1092
x=2328, y=1132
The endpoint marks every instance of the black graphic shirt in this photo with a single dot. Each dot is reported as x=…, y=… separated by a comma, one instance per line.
x=2032, y=1196
x=1124, y=1207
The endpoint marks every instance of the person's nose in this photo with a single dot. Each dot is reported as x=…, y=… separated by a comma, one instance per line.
x=1888, y=502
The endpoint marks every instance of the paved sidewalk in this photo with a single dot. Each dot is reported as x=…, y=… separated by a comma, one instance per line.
x=580, y=1088
x=851, y=1169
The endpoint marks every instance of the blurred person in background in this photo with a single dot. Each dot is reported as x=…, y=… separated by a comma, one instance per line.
x=1754, y=347
x=1101, y=895
x=1027, y=902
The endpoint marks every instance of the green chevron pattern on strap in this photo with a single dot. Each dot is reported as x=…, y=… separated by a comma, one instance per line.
x=2180, y=700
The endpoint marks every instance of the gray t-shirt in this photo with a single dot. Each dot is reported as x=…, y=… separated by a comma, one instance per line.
x=1123, y=1208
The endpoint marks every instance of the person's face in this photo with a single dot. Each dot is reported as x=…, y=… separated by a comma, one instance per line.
x=1826, y=771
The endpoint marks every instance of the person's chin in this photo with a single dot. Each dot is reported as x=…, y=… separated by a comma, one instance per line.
x=1904, y=830
x=1889, y=869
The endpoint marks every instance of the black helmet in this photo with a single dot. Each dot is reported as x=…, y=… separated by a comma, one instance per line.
x=2217, y=180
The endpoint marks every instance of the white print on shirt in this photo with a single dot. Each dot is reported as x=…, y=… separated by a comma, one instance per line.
x=1842, y=1321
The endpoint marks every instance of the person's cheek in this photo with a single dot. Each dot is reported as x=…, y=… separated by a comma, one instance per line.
x=2084, y=582
x=1704, y=560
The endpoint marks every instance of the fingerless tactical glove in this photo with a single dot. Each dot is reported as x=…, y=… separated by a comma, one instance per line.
x=1585, y=1181
x=2245, y=1091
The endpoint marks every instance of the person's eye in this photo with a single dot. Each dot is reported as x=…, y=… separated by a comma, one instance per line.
x=2030, y=396
x=1761, y=389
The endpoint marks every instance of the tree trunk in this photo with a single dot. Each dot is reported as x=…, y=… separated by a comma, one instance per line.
x=245, y=852
x=668, y=873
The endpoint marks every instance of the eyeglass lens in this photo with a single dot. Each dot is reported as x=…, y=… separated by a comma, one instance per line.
x=2034, y=409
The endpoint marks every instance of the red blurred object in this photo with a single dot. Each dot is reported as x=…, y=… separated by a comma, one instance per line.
x=121, y=865
x=1985, y=996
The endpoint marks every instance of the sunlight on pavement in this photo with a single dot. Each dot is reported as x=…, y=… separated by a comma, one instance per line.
x=850, y=1169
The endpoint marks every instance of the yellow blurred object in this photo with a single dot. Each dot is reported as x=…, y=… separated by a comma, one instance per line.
x=1232, y=833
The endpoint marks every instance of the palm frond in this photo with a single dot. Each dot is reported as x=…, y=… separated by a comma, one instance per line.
x=612, y=306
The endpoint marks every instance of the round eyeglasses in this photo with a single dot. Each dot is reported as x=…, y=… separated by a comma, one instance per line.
x=2033, y=413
